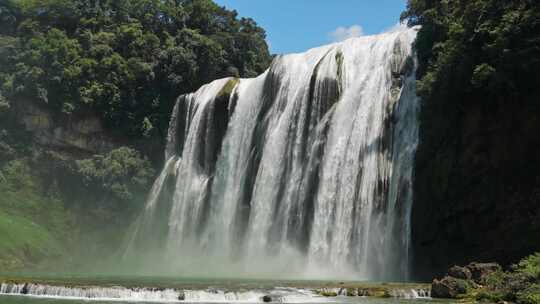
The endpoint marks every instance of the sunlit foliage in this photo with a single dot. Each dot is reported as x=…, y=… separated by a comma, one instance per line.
x=127, y=60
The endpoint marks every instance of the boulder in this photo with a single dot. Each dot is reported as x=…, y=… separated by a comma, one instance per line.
x=480, y=271
x=267, y=299
x=364, y=292
x=26, y=289
x=352, y=292
x=460, y=273
x=181, y=296
x=448, y=288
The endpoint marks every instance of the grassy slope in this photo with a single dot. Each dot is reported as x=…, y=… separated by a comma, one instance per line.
x=31, y=227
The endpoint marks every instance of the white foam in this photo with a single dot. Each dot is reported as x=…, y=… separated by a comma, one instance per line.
x=94, y=293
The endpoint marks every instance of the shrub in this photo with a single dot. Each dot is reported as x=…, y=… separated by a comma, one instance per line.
x=18, y=175
x=490, y=296
x=531, y=295
x=121, y=172
x=530, y=266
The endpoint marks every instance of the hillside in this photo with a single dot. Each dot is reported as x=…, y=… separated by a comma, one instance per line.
x=86, y=93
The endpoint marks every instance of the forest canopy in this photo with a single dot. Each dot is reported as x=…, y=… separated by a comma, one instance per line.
x=125, y=59
x=482, y=48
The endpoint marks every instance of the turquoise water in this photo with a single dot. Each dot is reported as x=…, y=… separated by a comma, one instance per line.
x=104, y=280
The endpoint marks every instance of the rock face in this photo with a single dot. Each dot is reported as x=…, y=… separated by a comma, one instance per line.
x=477, y=186
x=460, y=279
x=83, y=132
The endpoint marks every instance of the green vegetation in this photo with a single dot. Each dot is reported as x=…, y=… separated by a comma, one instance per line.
x=43, y=211
x=485, y=48
x=128, y=60
x=529, y=266
x=120, y=173
x=32, y=226
x=519, y=285
x=23, y=241
x=51, y=201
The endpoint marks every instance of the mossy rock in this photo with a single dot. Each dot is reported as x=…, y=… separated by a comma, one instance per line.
x=228, y=88
x=449, y=288
x=351, y=292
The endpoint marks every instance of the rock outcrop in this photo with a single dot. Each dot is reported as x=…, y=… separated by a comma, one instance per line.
x=480, y=271
x=448, y=288
x=460, y=272
x=460, y=280
x=82, y=132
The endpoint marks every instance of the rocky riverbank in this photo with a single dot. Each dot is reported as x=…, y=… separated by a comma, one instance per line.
x=489, y=282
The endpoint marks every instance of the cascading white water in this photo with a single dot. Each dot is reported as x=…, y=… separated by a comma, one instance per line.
x=210, y=295
x=305, y=170
x=161, y=295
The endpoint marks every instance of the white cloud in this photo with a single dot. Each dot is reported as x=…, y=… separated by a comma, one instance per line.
x=344, y=33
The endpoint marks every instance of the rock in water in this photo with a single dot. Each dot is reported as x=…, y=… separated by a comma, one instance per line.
x=352, y=292
x=25, y=289
x=448, y=288
x=181, y=296
x=267, y=299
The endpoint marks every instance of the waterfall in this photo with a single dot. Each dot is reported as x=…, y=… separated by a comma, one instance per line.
x=208, y=295
x=303, y=171
x=160, y=295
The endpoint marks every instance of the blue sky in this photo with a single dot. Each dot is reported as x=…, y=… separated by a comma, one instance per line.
x=297, y=25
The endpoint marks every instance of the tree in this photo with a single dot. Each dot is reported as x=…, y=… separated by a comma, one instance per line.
x=127, y=60
x=485, y=46
x=121, y=173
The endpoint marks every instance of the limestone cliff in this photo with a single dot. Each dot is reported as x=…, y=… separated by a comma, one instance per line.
x=82, y=132
x=79, y=135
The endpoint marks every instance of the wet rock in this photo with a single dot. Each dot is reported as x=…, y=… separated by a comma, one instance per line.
x=480, y=271
x=352, y=292
x=460, y=273
x=448, y=288
x=181, y=296
x=364, y=292
x=25, y=289
x=267, y=299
